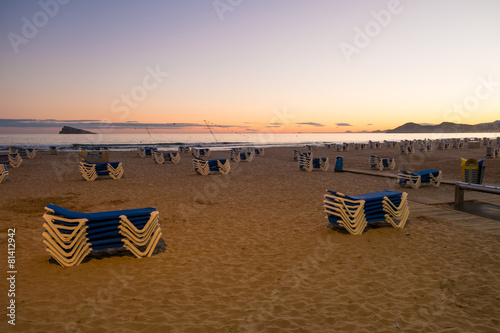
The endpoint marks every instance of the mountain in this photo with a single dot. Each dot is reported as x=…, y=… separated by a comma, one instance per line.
x=447, y=127
x=73, y=130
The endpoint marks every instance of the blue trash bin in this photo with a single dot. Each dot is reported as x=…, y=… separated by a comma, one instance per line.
x=339, y=164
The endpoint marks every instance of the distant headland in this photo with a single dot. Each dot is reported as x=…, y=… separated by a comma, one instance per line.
x=73, y=130
x=447, y=127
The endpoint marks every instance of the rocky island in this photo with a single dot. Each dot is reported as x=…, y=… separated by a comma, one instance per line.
x=73, y=130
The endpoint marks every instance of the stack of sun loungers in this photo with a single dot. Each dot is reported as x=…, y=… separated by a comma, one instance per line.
x=258, y=151
x=416, y=179
x=169, y=157
x=205, y=167
x=14, y=160
x=308, y=163
x=145, y=151
x=492, y=152
x=24, y=152
x=4, y=173
x=200, y=152
x=355, y=212
x=238, y=156
x=71, y=236
x=90, y=171
x=298, y=153
x=381, y=163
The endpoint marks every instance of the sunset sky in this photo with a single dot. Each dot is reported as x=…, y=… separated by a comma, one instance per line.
x=247, y=65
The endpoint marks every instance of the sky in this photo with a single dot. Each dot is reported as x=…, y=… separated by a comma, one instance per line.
x=121, y=66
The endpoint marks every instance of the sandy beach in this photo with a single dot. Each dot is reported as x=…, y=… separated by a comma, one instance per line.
x=251, y=251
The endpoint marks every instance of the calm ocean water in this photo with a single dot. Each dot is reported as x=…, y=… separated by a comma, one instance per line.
x=216, y=141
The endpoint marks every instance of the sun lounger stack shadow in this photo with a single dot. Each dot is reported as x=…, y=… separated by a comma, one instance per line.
x=416, y=179
x=14, y=160
x=205, y=167
x=355, y=212
x=381, y=163
x=4, y=173
x=169, y=157
x=309, y=163
x=91, y=171
x=71, y=236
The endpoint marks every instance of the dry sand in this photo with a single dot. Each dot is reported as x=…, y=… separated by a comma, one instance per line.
x=250, y=251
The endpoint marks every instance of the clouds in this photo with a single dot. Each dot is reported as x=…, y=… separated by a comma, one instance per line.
x=311, y=124
x=96, y=124
x=342, y=124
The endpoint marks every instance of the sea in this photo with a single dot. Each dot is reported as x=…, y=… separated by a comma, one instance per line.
x=215, y=141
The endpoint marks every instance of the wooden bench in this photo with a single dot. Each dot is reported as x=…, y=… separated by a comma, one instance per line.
x=460, y=188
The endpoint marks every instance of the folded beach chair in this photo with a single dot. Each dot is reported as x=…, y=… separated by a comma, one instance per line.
x=205, y=167
x=416, y=179
x=71, y=236
x=200, y=152
x=90, y=171
x=355, y=212
x=13, y=160
x=307, y=163
x=381, y=163
x=183, y=149
x=169, y=157
x=4, y=173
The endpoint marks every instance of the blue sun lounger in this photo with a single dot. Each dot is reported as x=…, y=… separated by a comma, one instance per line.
x=355, y=212
x=70, y=236
x=416, y=179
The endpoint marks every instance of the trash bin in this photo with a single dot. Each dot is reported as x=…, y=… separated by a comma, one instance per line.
x=339, y=164
x=472, y=171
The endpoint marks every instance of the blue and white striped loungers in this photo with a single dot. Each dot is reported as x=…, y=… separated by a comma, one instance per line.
x=90, y=171
x=355, y=212
x=416, y=179
x=205, y=167
x=71, y=236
